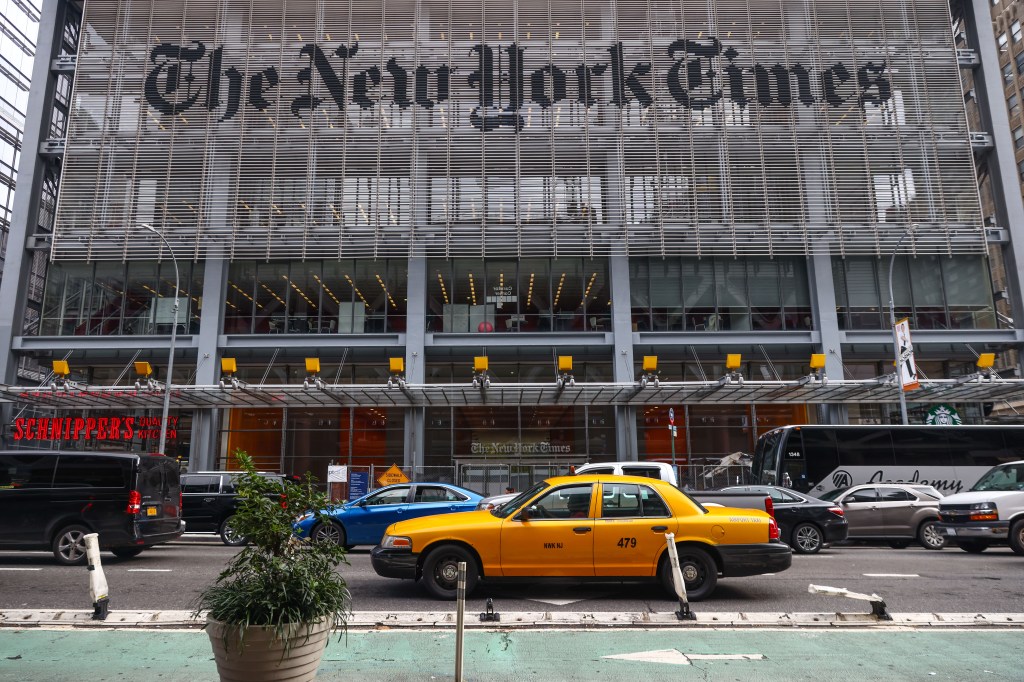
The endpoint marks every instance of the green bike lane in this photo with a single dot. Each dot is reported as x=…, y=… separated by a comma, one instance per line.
x=383, y=655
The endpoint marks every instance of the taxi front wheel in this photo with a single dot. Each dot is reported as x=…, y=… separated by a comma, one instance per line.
x=441, y=571
x=700, y=573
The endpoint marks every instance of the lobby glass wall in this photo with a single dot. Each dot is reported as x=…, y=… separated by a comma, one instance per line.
x=327, y=297
x=712, y=294
x=935, y=292
x=104, y=299
x=706, y=433
x=519, y=435
x=297, y=440
x=529, y=295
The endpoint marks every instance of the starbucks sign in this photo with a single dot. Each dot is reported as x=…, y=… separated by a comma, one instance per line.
x=943, y=415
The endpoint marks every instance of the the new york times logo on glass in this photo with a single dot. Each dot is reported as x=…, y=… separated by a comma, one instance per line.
x=503, y=78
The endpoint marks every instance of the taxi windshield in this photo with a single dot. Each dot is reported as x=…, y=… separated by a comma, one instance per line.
x=509, y=508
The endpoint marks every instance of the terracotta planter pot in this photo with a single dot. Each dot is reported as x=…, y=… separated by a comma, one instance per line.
x=262, y=659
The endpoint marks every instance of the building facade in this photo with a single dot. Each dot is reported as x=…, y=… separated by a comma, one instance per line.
x=484, y=190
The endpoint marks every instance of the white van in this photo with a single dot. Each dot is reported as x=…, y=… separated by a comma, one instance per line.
x=660, y=470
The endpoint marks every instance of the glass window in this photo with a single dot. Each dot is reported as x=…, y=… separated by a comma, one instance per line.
x=863, y=495
x=651, y=503
x=922, y=447
x=968, y=288
x=864, y=447
x=1018, y=137
x=894, y=495
x=200, y=484
x=568, y=502
x=85, y=471
x=1013, y=103
x=1003, y=41
x=1008, y=71
x=620, y=501
x=26, y=471
x=436, y=493
x=1019, y=61
x=1015, y=31
x=396, y=495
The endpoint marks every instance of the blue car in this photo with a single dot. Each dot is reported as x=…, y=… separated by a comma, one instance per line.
x=363, y=521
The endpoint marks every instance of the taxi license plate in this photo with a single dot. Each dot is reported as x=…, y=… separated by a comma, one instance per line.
x=151, y=511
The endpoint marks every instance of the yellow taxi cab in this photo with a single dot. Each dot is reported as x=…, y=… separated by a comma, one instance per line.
x=598, y=527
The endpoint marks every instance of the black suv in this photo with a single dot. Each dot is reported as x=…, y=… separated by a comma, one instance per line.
x=209, y=501
x=51, y=500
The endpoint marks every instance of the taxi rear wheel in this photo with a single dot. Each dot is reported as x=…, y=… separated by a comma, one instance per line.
x=700, y=574
x=441, y=571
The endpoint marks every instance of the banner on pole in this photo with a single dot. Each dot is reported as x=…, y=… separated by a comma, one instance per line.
x=907, y=367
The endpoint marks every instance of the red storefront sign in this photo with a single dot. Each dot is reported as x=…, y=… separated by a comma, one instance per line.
x=92, y=428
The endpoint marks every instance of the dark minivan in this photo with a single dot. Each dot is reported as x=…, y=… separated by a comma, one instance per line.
x=51, y=500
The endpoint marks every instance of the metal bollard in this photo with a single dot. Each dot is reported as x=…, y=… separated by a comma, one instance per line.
x=460, y=620
x=684, y=612
x=97, y=581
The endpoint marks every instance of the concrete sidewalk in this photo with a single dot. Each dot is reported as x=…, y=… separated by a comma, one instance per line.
x=600, y=620
x=895, y=652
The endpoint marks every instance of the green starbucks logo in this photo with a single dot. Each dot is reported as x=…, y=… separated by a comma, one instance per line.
x=943, y=415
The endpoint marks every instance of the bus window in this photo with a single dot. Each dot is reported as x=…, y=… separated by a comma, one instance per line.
x=865, y=446
x=766, y=457
x=927, y=446
x=979, y=447
x=820, y=454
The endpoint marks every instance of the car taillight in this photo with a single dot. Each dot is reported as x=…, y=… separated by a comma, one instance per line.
x=134, y=503
x=181, y=501
x=773, y=529
x=838, y=511
x=769, y=507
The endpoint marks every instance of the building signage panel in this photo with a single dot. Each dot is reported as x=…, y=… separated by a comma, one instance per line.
x=700, y=74
x=105, y=428
x=369, y=130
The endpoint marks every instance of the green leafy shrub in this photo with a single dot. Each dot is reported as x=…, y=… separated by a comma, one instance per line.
x=277, y=579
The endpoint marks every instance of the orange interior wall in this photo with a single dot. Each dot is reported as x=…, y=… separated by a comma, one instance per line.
x=264, y=446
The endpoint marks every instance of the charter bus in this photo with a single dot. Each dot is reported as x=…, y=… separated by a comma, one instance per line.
x=818, y=458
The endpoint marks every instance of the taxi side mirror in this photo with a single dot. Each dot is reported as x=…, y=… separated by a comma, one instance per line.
x=527, y=512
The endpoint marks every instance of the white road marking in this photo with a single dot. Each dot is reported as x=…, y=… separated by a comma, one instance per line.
x=669, y=656
x=19, y=569
x=676, y=657
x=149, y=570
x=891, y=575
x=558, y=602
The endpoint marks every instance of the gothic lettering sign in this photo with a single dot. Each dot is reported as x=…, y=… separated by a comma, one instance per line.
x=702, y=73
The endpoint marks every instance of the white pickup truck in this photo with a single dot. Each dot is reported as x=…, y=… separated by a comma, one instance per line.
x=990, y=513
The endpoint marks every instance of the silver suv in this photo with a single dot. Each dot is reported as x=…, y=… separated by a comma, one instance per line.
x=897, y=512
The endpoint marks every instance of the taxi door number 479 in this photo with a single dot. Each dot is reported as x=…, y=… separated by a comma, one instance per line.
x=627, y=543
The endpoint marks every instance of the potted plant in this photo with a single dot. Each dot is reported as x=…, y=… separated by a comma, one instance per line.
x=271, y=610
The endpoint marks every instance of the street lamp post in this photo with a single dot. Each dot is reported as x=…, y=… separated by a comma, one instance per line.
x=174, y=334
x=892, y=324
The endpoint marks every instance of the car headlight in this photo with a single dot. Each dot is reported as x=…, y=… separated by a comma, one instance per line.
x=984, y=511
x=396, y=542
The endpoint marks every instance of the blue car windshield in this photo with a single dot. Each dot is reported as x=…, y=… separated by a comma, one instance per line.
x=512, y=506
